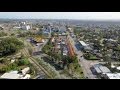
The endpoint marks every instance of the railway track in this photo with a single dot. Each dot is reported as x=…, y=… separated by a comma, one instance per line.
x=35, y=63
x=40, y=67
x=32, y=60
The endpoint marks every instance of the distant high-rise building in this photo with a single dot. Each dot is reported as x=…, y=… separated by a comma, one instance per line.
x=25, y=26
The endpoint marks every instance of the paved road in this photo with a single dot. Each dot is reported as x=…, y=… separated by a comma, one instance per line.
x=40, y=46
x=84, y=63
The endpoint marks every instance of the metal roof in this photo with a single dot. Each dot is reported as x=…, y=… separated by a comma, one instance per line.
x=101, y=69
x=113, y=75
x=11, y=76
x=98, y=70
x=83, y=43
x=104, y=69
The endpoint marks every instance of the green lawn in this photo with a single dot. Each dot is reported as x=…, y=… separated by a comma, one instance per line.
x=93, y=57
x=90, y=57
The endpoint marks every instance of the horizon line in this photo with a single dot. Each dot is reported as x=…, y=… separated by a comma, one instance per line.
x=66, y=19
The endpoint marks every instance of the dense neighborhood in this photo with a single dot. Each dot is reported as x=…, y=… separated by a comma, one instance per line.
x=59, y=49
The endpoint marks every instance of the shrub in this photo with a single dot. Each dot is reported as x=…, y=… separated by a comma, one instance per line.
x=23, y=62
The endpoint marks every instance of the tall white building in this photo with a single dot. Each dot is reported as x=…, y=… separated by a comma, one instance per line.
x=25, y=26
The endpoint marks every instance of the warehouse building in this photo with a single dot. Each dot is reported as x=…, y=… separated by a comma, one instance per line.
x=16, y=74
x=11, y=75
x=100, y=69
x=111, y=75
x=83, y=43
x=84, y=46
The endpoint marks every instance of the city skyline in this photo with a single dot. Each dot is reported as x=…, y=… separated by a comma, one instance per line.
x=61, y=15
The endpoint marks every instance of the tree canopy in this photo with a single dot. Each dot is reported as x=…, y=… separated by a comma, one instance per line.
x=9, y=46
x=3, y=34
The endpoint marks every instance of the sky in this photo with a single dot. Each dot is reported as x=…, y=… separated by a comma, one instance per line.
x=62, y=15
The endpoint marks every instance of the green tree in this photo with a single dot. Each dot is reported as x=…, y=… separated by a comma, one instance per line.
x=23, y=62
x=9, y=46
x=12, y=34
x=3, y=34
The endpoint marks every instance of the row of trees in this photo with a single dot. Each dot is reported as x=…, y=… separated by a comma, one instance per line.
x=62, y=62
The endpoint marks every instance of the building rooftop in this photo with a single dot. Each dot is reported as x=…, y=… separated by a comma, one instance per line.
x=118, y=68
x=11, y=75
x=83, y=43
x=87, y=48
x=16, y=75
x=113, y=75
x=27, y=76
x=104, y=69
x=112, y=66
x=101, y=69
x=39, y=39
x=25, y=70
